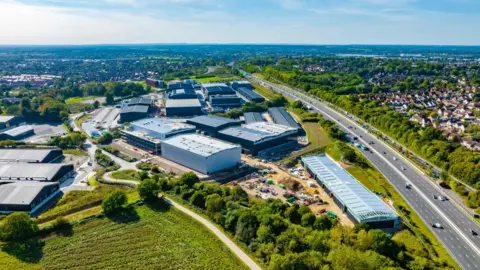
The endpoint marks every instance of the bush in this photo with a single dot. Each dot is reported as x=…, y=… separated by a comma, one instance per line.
x=17, y=226
x=144, y=166
x=114, y=202
x=148, y=190
x=60, y=223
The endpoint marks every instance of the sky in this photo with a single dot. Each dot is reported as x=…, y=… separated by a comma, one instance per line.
x=436, y=22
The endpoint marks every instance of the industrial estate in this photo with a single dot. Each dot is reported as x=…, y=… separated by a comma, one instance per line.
x=236, y=157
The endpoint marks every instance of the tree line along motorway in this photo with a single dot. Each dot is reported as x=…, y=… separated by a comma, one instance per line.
x=456, y=234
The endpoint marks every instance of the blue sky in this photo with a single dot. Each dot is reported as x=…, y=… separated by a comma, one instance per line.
x=240, y=21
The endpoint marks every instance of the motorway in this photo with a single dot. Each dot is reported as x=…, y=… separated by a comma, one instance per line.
x=456, y=235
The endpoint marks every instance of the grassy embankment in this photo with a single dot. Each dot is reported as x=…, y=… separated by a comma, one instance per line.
x=216, y=79
x=152, y=237
x=125, y=175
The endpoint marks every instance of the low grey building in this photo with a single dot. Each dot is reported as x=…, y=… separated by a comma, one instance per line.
x=17, y=133
x=253, y=117
x=212, y=124
x=133, y=113
x=44, y=172
x=26, y=196
x=183, y=107
x=35, y=155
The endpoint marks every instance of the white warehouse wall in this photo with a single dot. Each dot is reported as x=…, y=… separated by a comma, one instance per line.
x=206, y=165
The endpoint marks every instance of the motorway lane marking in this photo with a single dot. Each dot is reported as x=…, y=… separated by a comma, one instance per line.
x=472, y=245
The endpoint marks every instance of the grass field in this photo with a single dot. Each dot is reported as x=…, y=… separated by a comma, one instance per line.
x=153, y=238
x=317, y=139
x=216, y=79
x=74, y=152
x=265, y=92
x=74, y=100
x=125, y=175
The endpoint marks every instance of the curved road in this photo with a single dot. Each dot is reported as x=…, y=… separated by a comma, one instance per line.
x=230, y=244
x=456, y=235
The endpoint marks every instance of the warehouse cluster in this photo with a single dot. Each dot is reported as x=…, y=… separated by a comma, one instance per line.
x=30, y=178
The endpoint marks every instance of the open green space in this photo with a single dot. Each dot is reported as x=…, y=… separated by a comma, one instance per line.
x=75, y=152
x=125, y=175
x=152, y=238
x=74, y=100
x=216, y=79
x=264, y=91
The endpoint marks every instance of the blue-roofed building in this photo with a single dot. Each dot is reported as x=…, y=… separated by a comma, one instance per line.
x=357, y=202
x=258, y=137
x=150, y=132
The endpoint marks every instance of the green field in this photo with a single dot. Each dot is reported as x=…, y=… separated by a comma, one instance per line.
x=152, y=238
x=317, y=139
x=216, y=79
x=75, y=152
x=125, y=175
x=265, y=92
x=74, y=100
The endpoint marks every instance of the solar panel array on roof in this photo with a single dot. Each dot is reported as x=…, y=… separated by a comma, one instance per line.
x=259, y=132
x=282, y=117
x=134, y=109
x=253, y=117
x=359, y=201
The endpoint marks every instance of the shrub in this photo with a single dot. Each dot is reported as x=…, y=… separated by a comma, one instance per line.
x=17, y=226
x=114, y=202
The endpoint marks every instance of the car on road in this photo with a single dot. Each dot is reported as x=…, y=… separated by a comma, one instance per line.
x=435, y=197
x=408, y=185
x=403, y=168
x=443, y=198
x=437, y=225
x=384, y=152
x=89, y=163
x=473, y=232
x=394, y=158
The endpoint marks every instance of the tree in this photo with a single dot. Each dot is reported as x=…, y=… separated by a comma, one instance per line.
x=106, y=138
x=214, y=203
x=148, y=190
x=109, y=98
x=114, y=202
x=189, y=179
x=96, y=104
x=198, y=199
x=238, y=194
x=17, y=226
x=323, y=223
x=308, y=219
x=142, y=175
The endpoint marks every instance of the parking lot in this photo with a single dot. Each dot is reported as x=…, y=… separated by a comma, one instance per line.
x=106, y=117
x=44, y=131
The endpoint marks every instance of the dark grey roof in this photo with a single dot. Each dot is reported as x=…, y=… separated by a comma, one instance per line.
x=21, y=192
x=136, y=109
x=253, y=117
x=37, y=171
x=248, y=94
x=24, y=155
x=238, y=84
x=180, y=103
x=140, y=101
x=282, y=117
x=179, y=85
x=212, y=121
x=217, y=88
x=182, y=92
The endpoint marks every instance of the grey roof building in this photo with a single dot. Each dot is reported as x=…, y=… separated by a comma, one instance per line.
x=211, y=124
x=239, y=84
x=47, y=172
x=210, y=89
x=17, y=133
x=282, y=117
x=30, y=155
x=249, y=95
x=25, y=196
x=9, y=121
x=133, y=113
x=183, y=107
x=182, y=94
x=253, y=117
x=360, y=204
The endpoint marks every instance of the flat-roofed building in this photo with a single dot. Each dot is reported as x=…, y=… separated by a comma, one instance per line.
x=258, y=136
x=173, y=85
x=212, y=124
x=253, y=117
x=36, y=155
x=182, y=94
x=357, y=202
x=9, y=121
x=141, y=102
x=282, y=117
x=45, y=172
x=183, y=107
x=225, y=101
x=150, y=132
x=133, y=113
x=240, y=84
x=26, y=196
x=17, y=133
x=211, y=89
x=200, y=153
x=249, y=95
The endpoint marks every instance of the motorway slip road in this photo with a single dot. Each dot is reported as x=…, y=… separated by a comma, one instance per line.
x=456, y=235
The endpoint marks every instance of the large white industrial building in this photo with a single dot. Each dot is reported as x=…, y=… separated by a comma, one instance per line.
x=200, y=153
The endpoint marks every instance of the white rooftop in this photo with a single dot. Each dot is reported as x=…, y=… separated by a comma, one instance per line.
x=159, y=127
x=259, y=131
x=180, y=103
x=200, y=145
